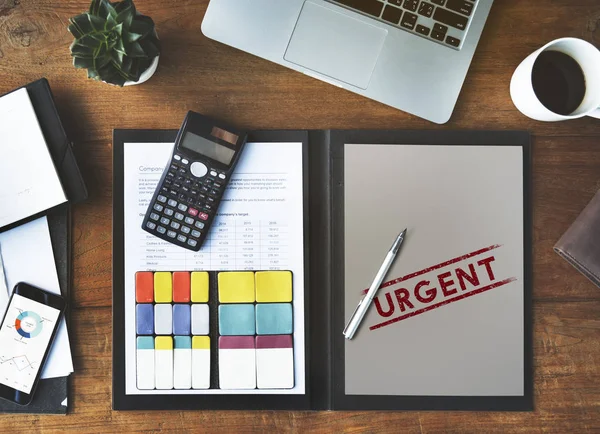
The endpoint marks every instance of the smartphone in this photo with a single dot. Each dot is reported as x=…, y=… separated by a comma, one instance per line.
x=26, y=335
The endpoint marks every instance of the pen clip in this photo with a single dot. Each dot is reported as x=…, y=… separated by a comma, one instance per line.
x=353, y=313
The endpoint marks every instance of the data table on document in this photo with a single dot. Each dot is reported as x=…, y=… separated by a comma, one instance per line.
x=233, y=243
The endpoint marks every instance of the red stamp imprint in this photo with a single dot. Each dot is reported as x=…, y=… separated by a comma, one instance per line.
x=437, y=286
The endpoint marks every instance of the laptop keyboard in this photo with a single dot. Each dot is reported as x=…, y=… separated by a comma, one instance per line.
x=442, y=21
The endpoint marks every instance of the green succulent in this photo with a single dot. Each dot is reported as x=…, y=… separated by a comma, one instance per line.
x=113, y=42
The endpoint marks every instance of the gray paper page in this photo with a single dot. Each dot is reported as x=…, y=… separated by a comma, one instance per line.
x=452, y=325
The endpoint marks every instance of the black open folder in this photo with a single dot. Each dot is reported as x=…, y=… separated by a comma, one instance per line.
x=324, y=246
x=51, y=393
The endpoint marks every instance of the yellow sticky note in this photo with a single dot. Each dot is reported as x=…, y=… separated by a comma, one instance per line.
x=163, y=287
x=236, y=287
x=273, y=286
x=163, y=343
x=200, y=343
x=199, y=287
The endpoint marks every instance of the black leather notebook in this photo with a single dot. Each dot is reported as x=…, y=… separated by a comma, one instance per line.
x=329, y=297
x=51, y=393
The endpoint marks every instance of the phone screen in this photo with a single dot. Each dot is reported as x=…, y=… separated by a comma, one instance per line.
x=24, y=337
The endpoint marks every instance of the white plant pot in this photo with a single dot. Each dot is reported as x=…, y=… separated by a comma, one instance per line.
x=146, y=74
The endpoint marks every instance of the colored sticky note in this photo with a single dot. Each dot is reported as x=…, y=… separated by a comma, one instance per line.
x=273, y=286
x=182, y=363
x=181, y=287
x=237, y=362
x=236, y=287
x=200, y=317
x=144, y=319
x=200, y=362
x=163, y=287
x=163, y=319
x=163, y=362
x=274, y=319
x=145, y=363
x=181, y=319
x=199, y=287
x=144, y=287
x=274, y=362
x=236, y=319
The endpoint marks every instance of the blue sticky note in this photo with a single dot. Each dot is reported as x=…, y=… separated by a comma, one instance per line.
x=182, y=321
x=183, y=342
x=236, y=320
x=274, y=319
x=144, y=318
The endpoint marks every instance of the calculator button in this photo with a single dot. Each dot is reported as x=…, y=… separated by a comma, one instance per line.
x=193, y=211
x=164, y=190
x=173, y=167
x=175, y=225
x=177, y=157
x=208, y=207
x=216, y=185
x=182, y=207
x=181, y=172
x=181, y=238
x=180, y=179
x=192, y=243
x=188, y=182
x=214, y=192
x=151, y=225
x=213, y=173
x=177, y=185
x=168, y=182
x=173, y=192
x=172, y=202
x=204, y=189
x=202, y=216
x=158, y=207
x=208, y=181
x=222, y=175
x=169, y=212
x=194, y=192
x=198, y=169
x=196, y=233
x=154, y=216
x=171, y=174
x=171, y=234
x=164, y=220
x=184, y=161
x=199, y=225
x=161, y=198
x=185, y=229
x=161, y=230
x=179, y=216
x=189, y=220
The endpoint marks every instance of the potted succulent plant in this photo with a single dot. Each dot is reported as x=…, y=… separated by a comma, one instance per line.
x=114, y=43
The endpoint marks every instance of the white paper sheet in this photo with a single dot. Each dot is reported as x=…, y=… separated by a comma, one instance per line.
x=259, y=226
x=24, y=192
x=28, y=257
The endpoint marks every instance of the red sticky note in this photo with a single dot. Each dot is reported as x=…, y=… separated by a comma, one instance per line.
x=144, y=286
x=181, y=287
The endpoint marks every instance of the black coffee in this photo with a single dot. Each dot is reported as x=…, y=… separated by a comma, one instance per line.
x=558, y=82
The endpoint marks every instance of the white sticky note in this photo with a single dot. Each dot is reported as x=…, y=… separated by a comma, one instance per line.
x=163, y=362
x=237, y=362
x=182, y=363
x=145, y=363
x=163, y=319
x=274, y=362
x=200, y=362
x=200, y=318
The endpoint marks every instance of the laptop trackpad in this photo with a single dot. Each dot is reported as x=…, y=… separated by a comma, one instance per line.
x=335, y=44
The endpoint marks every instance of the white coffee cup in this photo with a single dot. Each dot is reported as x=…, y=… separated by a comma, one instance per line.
x=588, y=58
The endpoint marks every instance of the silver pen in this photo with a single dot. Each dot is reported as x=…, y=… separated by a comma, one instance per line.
x=365, y=302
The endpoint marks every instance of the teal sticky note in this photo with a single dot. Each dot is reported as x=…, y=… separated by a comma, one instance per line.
x=236, y=320
x=274, y=319
x=145, y=343
x=183, y=342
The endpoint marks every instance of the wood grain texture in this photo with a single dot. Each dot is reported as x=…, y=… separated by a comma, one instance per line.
x=199, y=74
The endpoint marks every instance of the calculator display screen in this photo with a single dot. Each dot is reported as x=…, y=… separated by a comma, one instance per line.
x=206, y=147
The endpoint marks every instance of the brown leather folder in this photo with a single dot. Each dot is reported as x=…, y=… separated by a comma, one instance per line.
x=580, y=245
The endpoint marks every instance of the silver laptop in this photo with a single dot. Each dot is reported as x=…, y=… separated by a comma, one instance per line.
x=410, y=54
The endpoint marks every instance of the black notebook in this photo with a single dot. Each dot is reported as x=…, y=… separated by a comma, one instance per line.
x=255, y=319
x=51, y=394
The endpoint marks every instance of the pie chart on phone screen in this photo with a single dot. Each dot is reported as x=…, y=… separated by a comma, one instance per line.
x=28, y=324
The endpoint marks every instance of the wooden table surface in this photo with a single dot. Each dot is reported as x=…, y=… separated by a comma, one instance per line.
x=199, y=74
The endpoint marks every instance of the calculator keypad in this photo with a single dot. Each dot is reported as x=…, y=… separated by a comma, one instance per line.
x=186, y=202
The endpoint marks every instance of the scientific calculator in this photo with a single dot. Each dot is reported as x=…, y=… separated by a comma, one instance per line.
x=189, y=192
